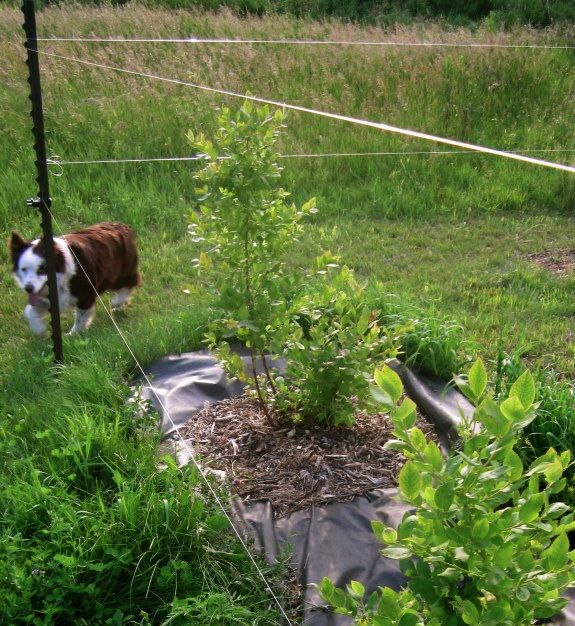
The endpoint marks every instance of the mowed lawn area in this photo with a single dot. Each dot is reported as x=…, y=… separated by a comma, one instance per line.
x=477, y=239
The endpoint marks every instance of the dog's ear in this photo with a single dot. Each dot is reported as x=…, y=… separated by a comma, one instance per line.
x=15, y=245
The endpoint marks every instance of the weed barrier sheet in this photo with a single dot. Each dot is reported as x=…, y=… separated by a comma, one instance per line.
x=334, y=540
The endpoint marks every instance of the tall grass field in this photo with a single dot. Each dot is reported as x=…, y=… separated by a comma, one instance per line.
x=479, y=249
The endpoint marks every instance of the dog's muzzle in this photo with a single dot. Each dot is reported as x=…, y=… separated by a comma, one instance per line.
x=38, y=298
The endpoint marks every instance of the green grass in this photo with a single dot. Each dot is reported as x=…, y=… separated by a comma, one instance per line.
x=449, y=236
x=395, y=218
x=92, y=531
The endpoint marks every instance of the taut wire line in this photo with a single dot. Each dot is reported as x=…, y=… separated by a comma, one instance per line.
x=306, y=42
x=335, y=116
x=176, y=430
x=59, y=162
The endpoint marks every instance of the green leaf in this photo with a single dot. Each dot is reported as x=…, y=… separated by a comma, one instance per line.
x=371, y=602
x=513, y=461
x=550, y=608
x=396, y=552
x=417, y=438
x=67, y=561
x=309, y=205
x=477, y=379
x=99, y=567
x=433, y=456
x=410, y=481
x=488, y=414
x=381, y=397
x=476, y=442
x=384, y=533
x=503, y=556
x=557, y=552
x=362, y=324
x=408, y=619
x=396, y=444
x=465, y=389
x=444, y=497
x=450, y=573
x=525, y=560
x=428, y=495
x=406, y=414
x=522, y=594
x=557, y=509
x=554, y=471
x=524, y=389
x=533, y=484
x=480, y=529
x=529, y=511
x=549, y=464
x=356, y=590
x=557, y=487
x=493, y=616
x=513, y=409
x=420, y=586
x=387, y=380
x=389, y=604
x=469, y=613
x=326, y=589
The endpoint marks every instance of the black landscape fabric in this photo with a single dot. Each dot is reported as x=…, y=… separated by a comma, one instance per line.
x=335, y=540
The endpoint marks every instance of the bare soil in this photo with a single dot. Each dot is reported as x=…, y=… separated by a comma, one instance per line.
x=555, y=261
x=295, y=467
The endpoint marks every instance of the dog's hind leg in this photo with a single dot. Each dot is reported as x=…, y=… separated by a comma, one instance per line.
x=121, y=298
x=83, y=319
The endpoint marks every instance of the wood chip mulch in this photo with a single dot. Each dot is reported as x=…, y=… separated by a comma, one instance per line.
x=294, y=467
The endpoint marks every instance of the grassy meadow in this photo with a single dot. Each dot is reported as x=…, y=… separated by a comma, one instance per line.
x=449, y=239
x=448, y=233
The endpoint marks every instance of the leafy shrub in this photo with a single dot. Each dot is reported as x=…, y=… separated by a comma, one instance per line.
x=332, y=349
x=553, y=426
x=492, y=547
x=246, y=227
x=246, y=223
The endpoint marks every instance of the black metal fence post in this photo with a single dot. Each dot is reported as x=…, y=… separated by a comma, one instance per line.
x=43, y=202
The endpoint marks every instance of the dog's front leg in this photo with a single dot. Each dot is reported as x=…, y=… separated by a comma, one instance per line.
x=82, y=320
x=35, y=317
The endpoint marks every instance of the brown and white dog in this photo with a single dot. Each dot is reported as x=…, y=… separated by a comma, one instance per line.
x=89, y=262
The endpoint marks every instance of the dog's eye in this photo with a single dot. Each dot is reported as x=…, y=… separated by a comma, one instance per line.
x=42, y=269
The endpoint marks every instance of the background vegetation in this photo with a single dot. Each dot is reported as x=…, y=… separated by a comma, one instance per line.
x=538, y=13
x=452, y=236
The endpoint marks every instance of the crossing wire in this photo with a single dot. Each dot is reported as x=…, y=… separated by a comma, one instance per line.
x=54, y=160
x=335, y=116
